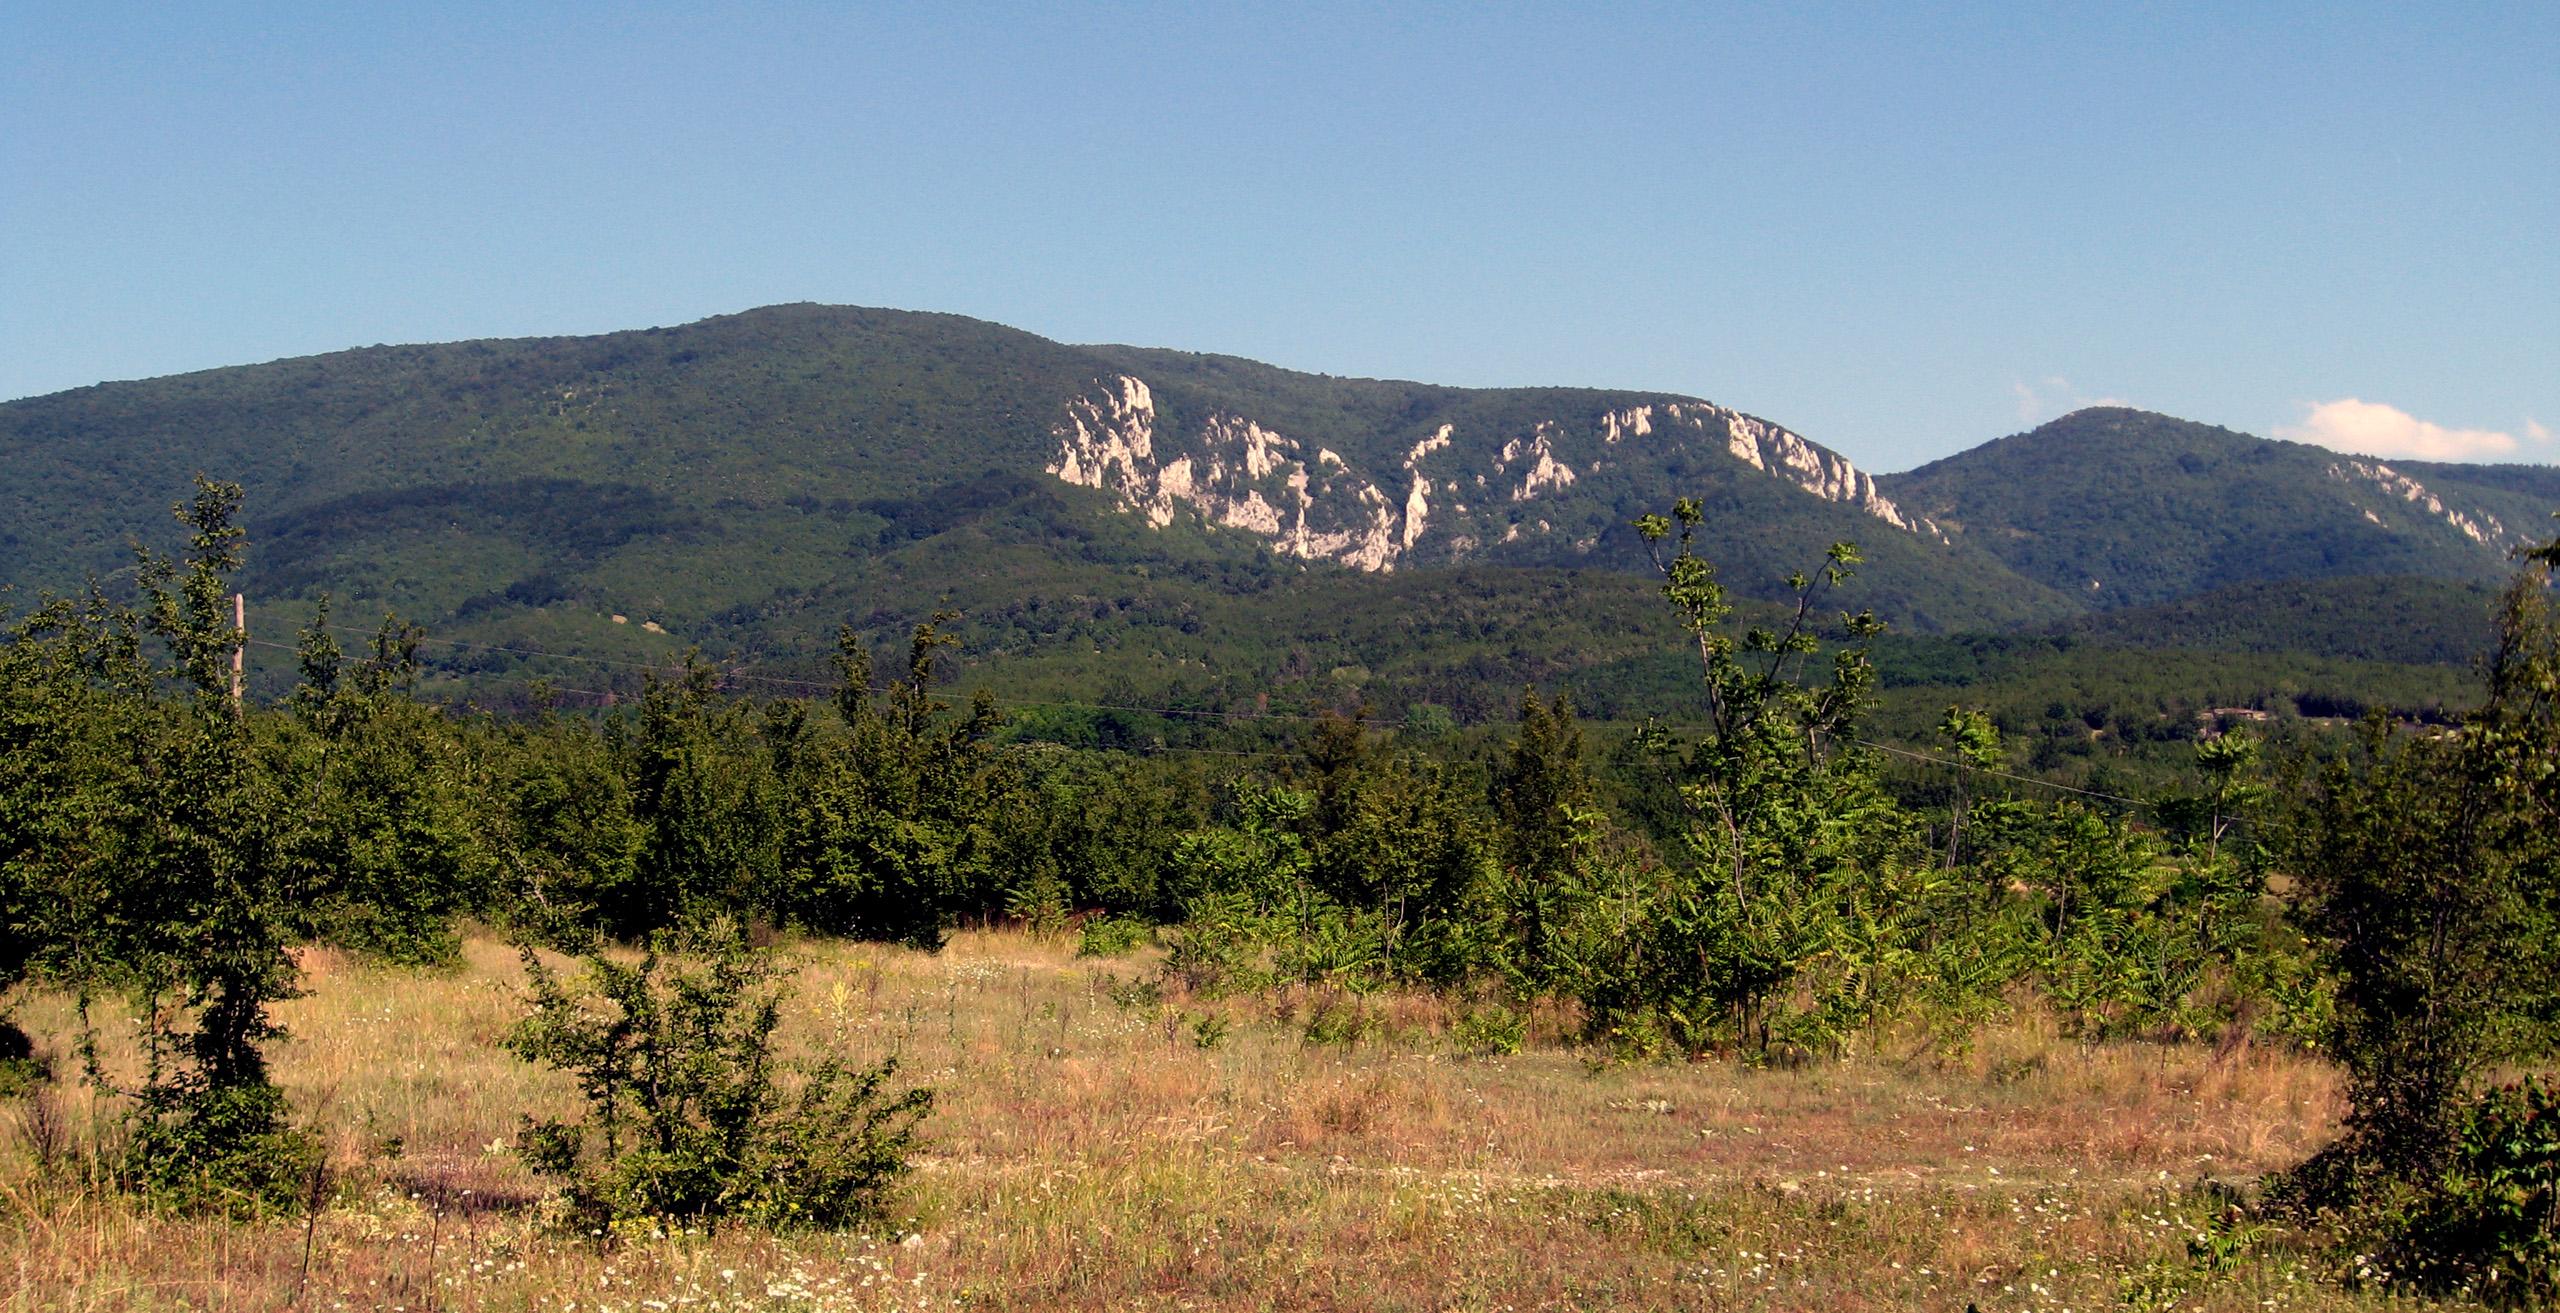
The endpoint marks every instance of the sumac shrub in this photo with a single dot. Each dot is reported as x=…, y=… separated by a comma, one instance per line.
x=2494, y=1223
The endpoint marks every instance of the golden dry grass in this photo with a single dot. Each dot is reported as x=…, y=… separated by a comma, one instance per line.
x=1092, y=1154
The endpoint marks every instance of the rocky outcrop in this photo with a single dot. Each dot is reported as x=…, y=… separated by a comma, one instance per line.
x=2482, y=527
x=1772, y=450
x=1234, y=472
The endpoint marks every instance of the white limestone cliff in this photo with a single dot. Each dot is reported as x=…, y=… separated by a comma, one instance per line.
x=1773, y=450
x=1233, y=472
x=2483, y=528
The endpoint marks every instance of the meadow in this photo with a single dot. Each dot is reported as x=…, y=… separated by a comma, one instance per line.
x=1103, y=1141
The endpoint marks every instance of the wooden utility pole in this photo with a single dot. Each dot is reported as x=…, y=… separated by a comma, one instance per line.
x=240, y=650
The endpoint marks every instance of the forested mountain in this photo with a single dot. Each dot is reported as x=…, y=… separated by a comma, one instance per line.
x=748, y=482
x=1197, y=528
x=2123, y=508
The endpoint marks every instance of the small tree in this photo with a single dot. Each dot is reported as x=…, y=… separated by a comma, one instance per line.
x=1788, y=823
x=689, y=1117
x=707, y=805
x=896, y=830
x=192, y=914
x=1974, y=742
x=1549, y=825
x=380, y=839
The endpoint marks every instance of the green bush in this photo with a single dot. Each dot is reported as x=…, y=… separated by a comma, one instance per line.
x=1339, y=1021
x=21, y=1071
x=1111, y=936
x=1492, y=1031
x=689, y=1119
x=229, y=1150
x=2492, y=1225
x=1220, y=948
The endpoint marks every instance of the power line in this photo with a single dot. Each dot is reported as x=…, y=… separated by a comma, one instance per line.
x=557, y=688
x=1951, y=763
x=1980, y=770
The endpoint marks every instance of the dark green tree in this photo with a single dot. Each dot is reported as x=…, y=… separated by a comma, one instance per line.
x=901, y=827
x=706, y=803
x=564, y=842
x=383, y=836
x=194, y=915
x=2431, y=869
x=1547, y=819
x=1973, y=742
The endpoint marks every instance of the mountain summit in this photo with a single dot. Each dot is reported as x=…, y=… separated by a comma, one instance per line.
x=2124, y=507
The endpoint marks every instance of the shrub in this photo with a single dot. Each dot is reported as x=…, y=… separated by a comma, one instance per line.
x=1220, y=948
x=2494, y=1222
x=1111, y=936
x=1337, y=1021
x=688, y=1118
x=230, y=1150
x=1791, y=838
x=21, y=1071
x=1493, y=1031
x=2429, y=867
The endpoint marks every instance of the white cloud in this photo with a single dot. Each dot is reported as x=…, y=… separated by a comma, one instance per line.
x=2374, y=429
x=2054, y=396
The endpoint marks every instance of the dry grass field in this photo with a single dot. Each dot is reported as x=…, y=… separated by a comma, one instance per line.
x=1096, y=1149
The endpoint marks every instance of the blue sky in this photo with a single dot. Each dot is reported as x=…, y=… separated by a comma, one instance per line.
x=1900, y=230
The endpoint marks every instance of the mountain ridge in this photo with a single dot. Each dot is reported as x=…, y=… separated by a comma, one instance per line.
x=748, y=482
x=739, y=414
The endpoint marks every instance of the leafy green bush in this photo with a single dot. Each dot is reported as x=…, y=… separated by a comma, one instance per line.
x=1219, y=950
x=1111, y=936
x=2493, y=1223
x=20, y=1069
x=689, y=1119
x=2429, y=866
x=230, y=1150
x=1791, y=840
x=1492, y=1031
x=1339, y=1021
x=378, y=837
x=152, y=864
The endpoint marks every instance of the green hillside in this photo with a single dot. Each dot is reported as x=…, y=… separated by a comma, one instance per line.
x=747, y=483
x=2125, y=508
x=2387, y=618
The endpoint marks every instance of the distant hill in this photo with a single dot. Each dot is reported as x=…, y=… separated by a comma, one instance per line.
x=2125, y=508
x=1202, y=527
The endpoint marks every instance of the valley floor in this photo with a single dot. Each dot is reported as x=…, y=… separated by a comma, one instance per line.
x=1095, y=1148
